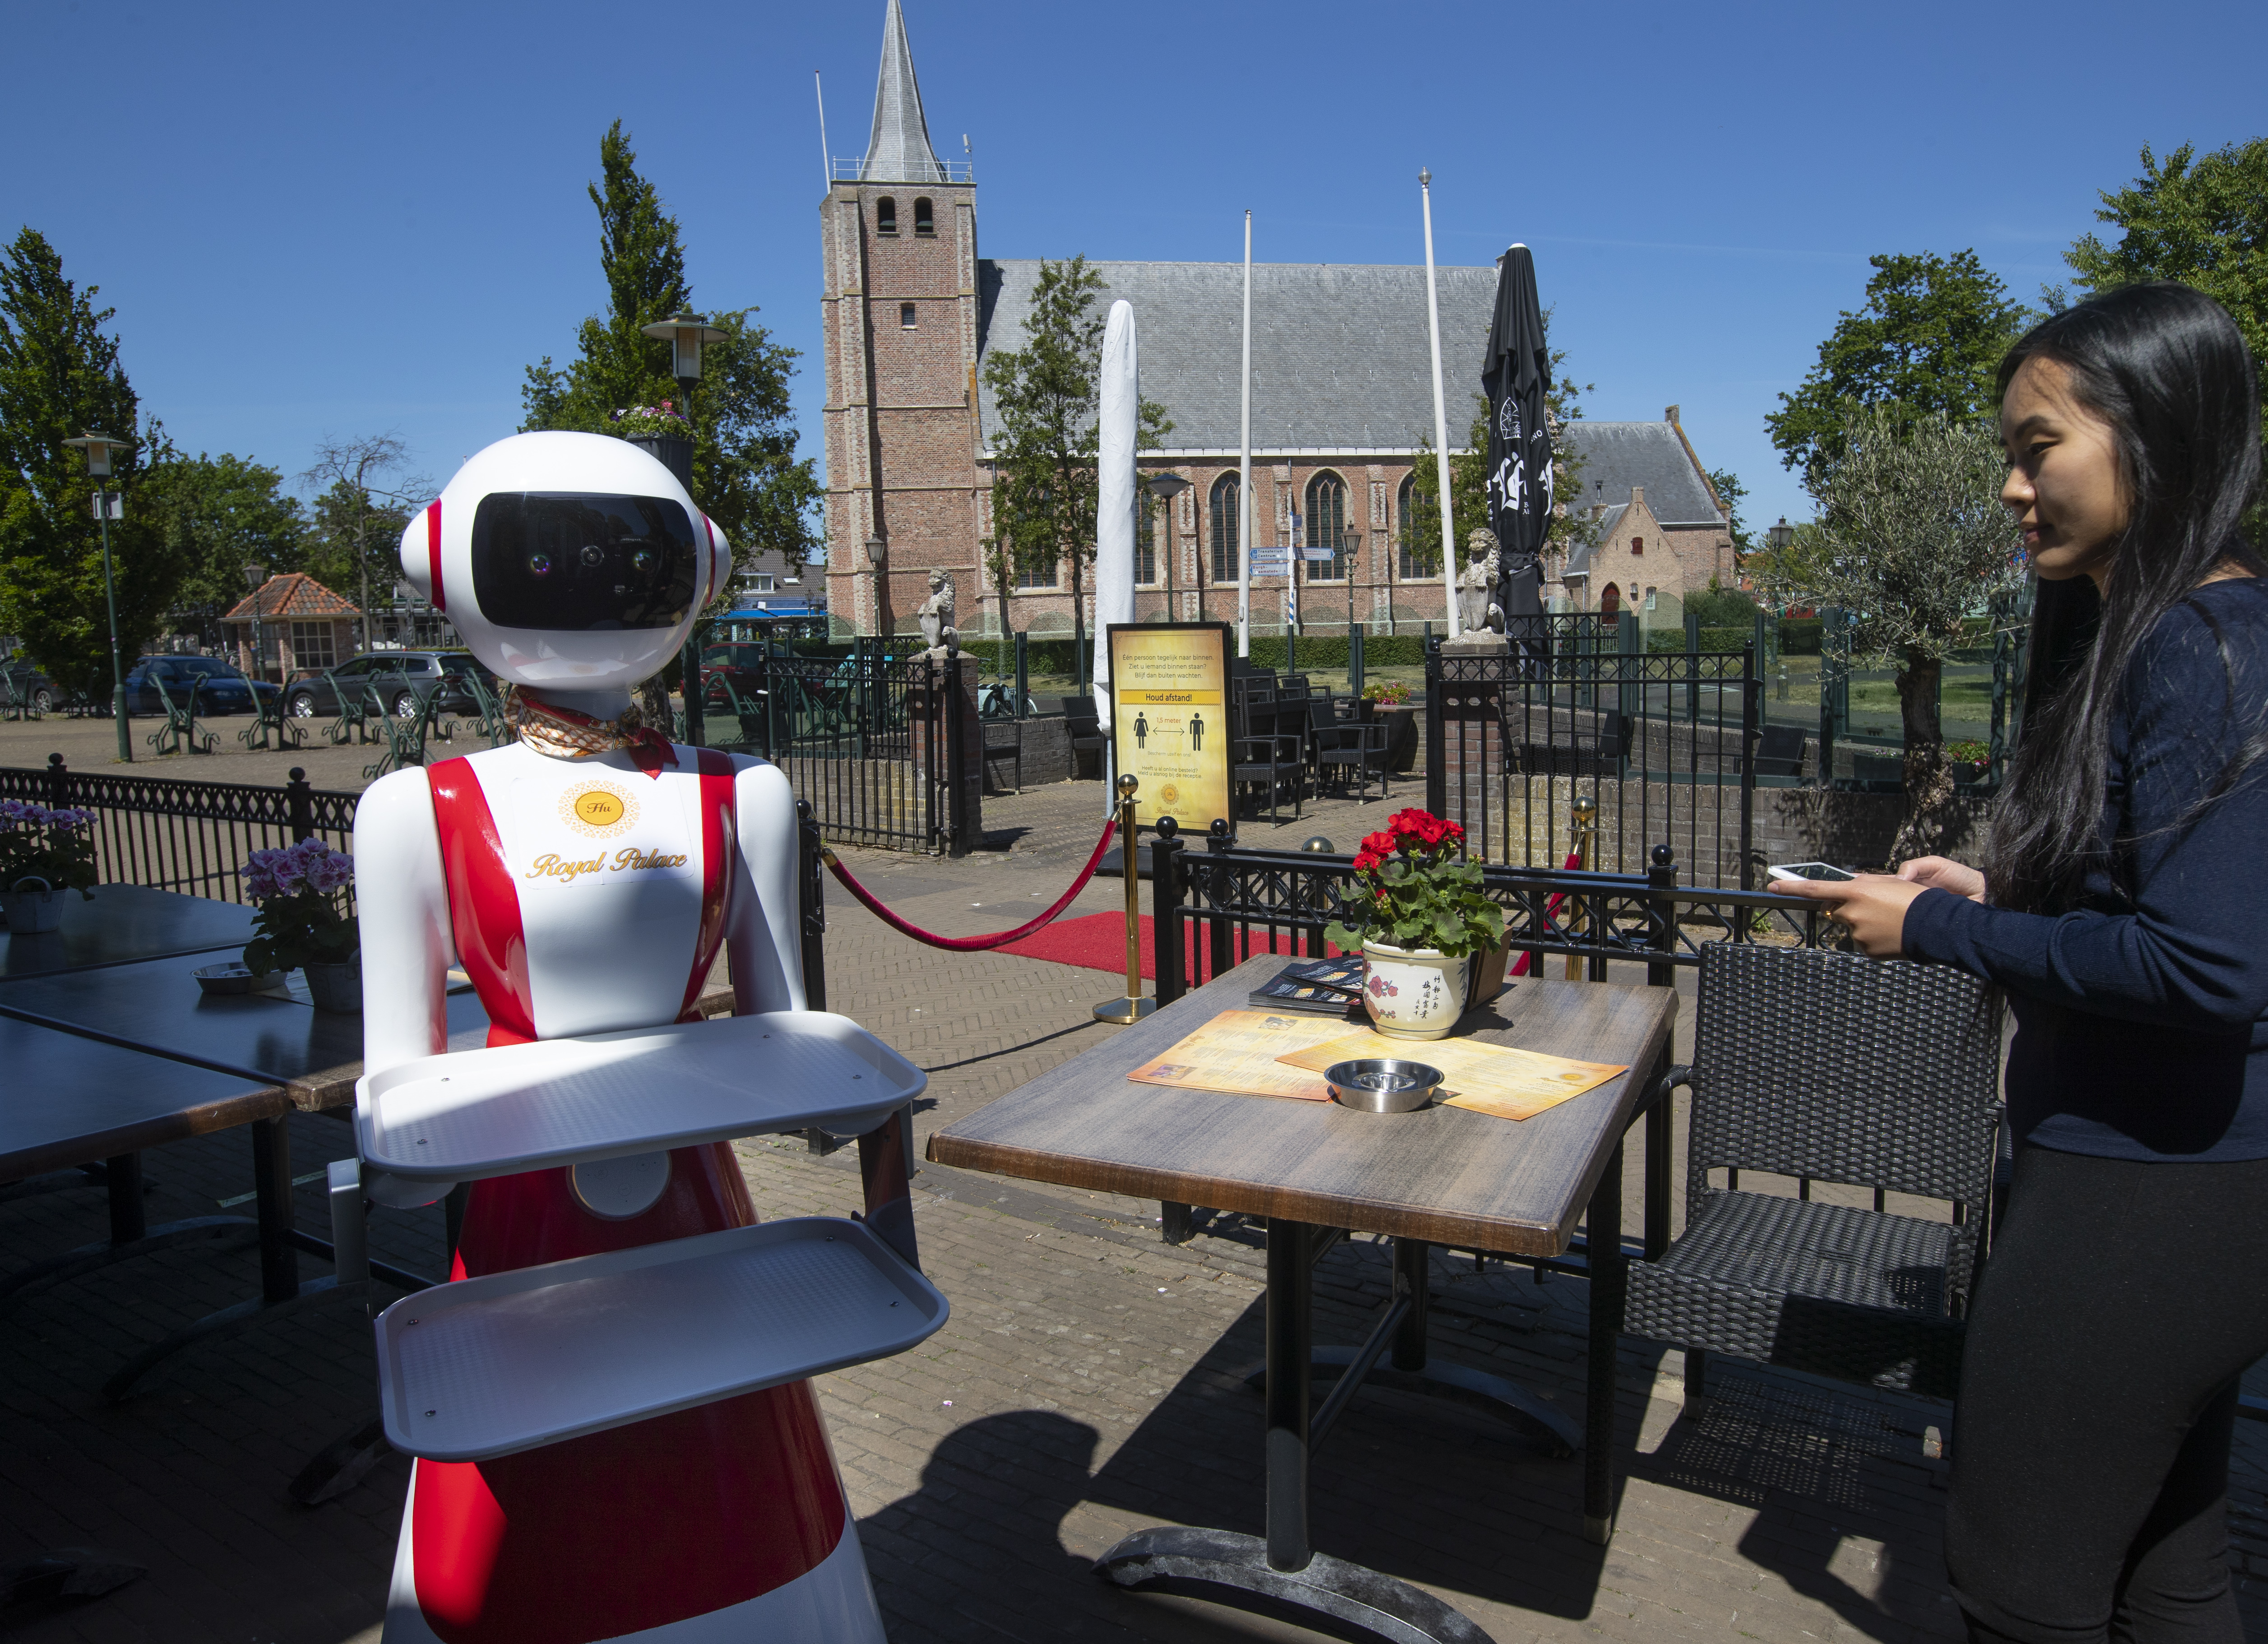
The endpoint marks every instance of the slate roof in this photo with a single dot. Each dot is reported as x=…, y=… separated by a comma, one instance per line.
x=1340, y=360
x=293, y=594
x=899, y=150
x=1619, y=455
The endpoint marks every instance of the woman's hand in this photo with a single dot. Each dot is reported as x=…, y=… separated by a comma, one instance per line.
x=1872, y=907
x=1937, y=873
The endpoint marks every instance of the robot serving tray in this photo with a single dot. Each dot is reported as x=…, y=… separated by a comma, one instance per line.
x=472, y=1114
x=491, y=1366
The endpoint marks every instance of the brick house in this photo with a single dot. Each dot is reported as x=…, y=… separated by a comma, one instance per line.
x=1341, y=391
x=295, y=623
x=1659, y=527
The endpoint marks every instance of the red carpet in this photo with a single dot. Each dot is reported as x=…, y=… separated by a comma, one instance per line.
x=1097, y=941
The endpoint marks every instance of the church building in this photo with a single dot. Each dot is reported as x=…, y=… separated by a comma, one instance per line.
x=1342, y=394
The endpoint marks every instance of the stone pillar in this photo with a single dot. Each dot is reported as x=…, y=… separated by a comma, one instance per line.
x=1473, y=669
x=948, y=747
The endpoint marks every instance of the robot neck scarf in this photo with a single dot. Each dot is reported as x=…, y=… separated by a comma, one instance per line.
x=564, y=734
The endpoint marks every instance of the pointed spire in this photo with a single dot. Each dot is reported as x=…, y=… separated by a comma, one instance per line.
x=899, y=150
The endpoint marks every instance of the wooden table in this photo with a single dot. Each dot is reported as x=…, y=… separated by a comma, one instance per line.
x=1313, y=1169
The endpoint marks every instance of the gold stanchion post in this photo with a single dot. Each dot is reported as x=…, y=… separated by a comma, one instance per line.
x=1134, y=1007
x=1585, y=817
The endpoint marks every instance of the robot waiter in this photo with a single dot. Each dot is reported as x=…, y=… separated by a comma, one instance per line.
x=585, y=878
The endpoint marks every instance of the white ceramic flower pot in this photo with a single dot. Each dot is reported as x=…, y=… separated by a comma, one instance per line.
x=31, y=911
x=336, y=987
x=1412, y=992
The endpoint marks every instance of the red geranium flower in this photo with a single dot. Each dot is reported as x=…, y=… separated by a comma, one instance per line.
x=1377, y=844
x=1366, y=860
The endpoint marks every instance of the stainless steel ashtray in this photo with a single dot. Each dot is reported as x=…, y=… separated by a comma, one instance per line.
x=1383, y=1085
x=234, y=978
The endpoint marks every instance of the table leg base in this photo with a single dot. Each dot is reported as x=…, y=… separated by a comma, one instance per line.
x=339, y=1466
x=228, y=1232
x=227, y=1323
x=1331, y=1596
x=1598, y=1532
x=1546, y=1424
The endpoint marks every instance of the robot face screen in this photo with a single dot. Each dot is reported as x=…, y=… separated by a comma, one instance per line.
x=574, y=561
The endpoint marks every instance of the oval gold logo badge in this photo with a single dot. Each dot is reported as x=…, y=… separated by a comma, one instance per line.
x=596, y=809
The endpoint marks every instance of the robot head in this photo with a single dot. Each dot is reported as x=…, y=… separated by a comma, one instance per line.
x=572, y=561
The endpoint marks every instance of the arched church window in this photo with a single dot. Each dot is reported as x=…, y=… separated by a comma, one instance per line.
x=1610, y=601
x=924, y=218
x=1223, y=523
x=1327, y=527
x=1415, y=561
x=885, y=216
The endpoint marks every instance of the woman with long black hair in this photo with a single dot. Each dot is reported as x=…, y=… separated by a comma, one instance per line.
x=2124, y=910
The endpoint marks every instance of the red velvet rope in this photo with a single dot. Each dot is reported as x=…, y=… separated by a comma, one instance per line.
x=969, y=944
x=1574, y=861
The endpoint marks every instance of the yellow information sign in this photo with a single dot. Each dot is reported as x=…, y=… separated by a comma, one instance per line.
x=1169, y=720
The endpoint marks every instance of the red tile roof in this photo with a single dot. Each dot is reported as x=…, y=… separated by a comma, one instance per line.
x=294, y=595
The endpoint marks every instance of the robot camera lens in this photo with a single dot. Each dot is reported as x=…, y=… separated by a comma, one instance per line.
x=642, y=561
x=594, y=556
x=539, y=563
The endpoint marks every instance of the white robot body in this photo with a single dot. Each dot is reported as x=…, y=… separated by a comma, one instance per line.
x=587, y=886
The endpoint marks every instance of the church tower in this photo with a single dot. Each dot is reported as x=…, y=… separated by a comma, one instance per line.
x=898, y=234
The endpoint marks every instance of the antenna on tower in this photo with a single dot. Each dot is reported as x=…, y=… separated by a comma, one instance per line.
x=826, y=165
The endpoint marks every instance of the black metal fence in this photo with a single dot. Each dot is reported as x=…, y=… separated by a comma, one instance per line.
x=871, y=740
x=194, y=837
x=1640, y=748
x=1220, y=904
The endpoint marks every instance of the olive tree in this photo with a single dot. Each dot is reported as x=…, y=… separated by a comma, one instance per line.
x=1912, y=541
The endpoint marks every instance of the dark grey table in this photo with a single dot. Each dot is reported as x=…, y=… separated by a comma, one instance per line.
x=1315, y=1170
x=154, y=1049
x=123, y=923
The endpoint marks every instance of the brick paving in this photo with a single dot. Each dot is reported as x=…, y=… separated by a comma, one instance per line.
x=1089, y=1384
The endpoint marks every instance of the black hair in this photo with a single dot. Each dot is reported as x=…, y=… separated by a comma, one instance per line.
x=2167, y=369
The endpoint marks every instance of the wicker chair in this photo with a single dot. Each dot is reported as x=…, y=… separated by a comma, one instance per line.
x=1830, y=1067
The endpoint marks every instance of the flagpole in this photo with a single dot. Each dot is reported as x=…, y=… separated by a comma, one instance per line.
x=1440, y=412
x=826, y=165
x=1244, y=471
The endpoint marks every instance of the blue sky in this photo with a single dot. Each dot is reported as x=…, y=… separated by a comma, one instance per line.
x=330, y=221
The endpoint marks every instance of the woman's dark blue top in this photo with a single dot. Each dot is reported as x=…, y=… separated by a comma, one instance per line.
x=2140, y=1029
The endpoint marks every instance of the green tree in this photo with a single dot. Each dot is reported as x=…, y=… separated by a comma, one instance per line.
x=2202, y=222
x=745, y=471
x=60, y=377
x=217, y=515
x=1912, y=537
x=1047, y=393
x=1927, y=342
x=1729, y=491
x=357, y=524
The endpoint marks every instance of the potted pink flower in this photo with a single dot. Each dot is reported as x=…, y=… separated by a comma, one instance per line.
x=303, y=924
x=43, y=852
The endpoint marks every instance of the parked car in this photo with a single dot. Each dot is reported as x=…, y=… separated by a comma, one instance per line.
x=401, y=677
x=736, y=659
x=32, y=684
x=224, y=689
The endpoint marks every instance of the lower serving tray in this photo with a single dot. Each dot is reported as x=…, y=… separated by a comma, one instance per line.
x=488, y=1367
x=471, y=1114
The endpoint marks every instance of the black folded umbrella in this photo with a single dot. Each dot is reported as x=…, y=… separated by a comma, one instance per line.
x=1515, y=372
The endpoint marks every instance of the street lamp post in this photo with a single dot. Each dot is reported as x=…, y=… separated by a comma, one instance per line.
x=1165, y=488
x=255, y=578
x=685, y=333
x=98, y=448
